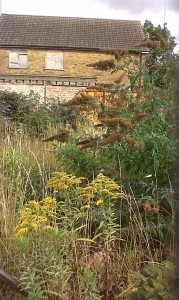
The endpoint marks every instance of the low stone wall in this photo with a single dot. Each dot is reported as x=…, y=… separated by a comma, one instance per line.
x=62, y=93
x=56, y=93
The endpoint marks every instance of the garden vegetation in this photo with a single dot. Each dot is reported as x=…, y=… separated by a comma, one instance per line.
x=87, y=202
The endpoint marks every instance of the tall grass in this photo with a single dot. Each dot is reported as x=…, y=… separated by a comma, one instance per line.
x=25, y=167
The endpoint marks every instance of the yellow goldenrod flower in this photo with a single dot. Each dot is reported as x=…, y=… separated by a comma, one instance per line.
x=114, y=195
x=86, y=188
x=85, y=197
x=21, y=232
x=134, y=289
x=100, y=201
x=49, y=201
x=113, y=186
x=36, y=214
x=60, y=180
x=34, y=225
x=47, y=227
x=79, y=189
x=32, y=203
x=42, y=219
x=105, y=191
x=85, y=207
x=22, y=224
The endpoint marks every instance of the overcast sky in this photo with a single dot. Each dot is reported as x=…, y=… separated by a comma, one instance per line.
x=157, y=11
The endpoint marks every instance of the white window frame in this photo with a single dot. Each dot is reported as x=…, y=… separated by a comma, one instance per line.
x=54, y=61
x=18, y=59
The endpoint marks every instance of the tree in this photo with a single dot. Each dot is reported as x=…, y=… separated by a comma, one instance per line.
x=161, y=44
x=165, y=42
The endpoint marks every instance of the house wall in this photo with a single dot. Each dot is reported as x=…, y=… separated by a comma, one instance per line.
x=75, y=65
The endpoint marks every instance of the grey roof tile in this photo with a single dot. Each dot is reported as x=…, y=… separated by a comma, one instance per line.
x=68, y=32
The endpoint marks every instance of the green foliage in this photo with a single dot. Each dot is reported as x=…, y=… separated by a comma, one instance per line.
x=89, y=285
x=10, y=104
x=151, y=282
x=31, y=113
x=60, y=114
x=156, y=33
x=45, y=271
x=159, y=59
x=13, y=165
x=143, y=159
x=33, y=284
x=26, y=110
x=156, y=154
x=80, y=163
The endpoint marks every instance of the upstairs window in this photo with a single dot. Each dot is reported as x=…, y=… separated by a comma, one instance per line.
x=54, y=61
x=18, y=59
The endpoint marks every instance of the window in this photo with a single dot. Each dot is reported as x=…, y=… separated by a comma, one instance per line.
x=18, y=59
x=54, y=60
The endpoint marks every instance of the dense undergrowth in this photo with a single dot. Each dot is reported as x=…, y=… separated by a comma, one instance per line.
x=89, y=213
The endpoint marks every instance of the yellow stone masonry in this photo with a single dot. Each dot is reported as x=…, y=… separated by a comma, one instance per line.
x=75, y=64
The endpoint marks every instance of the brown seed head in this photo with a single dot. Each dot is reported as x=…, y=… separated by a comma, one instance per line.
x=140, y=116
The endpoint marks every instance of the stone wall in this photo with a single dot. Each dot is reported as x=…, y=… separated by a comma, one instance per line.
x=57, y=93
x=75, y=64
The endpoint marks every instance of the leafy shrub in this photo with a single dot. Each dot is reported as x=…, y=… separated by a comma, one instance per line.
x=10, y=105
x=133, y=142
x=81, y=163
x=152, y=282
x=26, y=110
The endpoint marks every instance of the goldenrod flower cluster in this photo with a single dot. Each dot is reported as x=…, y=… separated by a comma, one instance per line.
x=63, y=181
x=42, y=215
x=99, y=190
x=36, y=215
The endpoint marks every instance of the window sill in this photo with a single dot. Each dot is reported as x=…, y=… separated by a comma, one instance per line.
x=54, y=69
x=21, y=68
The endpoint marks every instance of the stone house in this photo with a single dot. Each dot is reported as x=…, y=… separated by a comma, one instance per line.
x=51, y=55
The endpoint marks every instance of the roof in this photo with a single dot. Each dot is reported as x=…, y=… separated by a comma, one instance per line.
x=68, y=32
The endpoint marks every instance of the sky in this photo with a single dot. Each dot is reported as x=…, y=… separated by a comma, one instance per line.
x=157, y=11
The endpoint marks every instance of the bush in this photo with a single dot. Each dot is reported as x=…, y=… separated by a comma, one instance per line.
x=25, y=110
